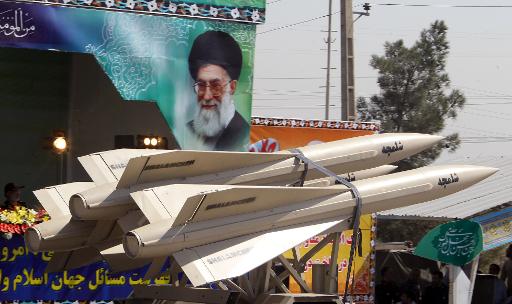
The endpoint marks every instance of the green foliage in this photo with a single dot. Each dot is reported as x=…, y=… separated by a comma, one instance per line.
x=416, y=94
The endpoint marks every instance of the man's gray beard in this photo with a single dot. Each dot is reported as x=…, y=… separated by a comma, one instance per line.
x=210, y=123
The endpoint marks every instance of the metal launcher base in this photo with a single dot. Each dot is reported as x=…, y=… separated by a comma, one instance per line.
x=263, y=285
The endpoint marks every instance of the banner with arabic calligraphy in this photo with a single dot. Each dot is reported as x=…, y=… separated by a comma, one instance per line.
x=455, y=243
x=147, y=59
x=497, y=228
x=22, y=278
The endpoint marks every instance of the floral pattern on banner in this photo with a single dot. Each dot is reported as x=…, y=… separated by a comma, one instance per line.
x=173, y=8
x=326, y=124
x=19, y=219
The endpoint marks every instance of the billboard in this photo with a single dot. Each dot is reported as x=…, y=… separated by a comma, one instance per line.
x=497, y=228
x=198, y=68
x=275, y=134
x=23, y=278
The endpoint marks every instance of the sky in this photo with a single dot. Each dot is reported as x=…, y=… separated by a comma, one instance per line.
x=290, y=62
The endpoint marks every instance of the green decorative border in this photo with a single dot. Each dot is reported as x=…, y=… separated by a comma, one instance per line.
x=246, y=11
x=313, y=123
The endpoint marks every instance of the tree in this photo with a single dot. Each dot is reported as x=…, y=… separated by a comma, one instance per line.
x=415, y=91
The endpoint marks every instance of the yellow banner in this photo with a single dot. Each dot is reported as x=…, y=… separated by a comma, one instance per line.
x=362, y=264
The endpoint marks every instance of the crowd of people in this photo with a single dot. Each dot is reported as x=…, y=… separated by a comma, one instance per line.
x=412, y=291
x=503, y=276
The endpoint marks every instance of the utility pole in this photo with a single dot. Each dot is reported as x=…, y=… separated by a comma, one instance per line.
x=348, y=99
x=348, y=104
x=328, y=78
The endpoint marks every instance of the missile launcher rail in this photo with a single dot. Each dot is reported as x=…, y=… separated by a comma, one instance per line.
x=254, y=287
x=224, y=215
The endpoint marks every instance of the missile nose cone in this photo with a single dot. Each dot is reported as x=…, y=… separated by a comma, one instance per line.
x=470, y=175
x=436, y=138
x=485, y=172
x=132, y=244
x=77, y=206
x=425, y=139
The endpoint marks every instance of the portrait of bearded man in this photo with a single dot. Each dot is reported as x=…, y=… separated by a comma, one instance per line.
x=215, y=64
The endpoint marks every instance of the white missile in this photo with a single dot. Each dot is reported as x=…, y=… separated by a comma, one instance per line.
x=219, y=232
x=351, y=176
x=112, y=200
x=119, y=172
x=63, y=233
x=60, y=229
x=108, y=166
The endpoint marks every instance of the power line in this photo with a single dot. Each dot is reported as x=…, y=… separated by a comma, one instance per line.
x=295, y=24
x=489, y=103
x=484, y=91
x=305, y=78
x=489, y=116
x=487, y=141
x=442, y=5
x=479, y=131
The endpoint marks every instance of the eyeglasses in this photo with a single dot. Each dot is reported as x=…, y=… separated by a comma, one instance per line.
x=216, y=87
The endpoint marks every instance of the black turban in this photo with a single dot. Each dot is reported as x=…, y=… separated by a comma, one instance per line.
x=218, y=48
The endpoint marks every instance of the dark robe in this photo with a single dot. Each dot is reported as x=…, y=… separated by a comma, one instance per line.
x=232, y=138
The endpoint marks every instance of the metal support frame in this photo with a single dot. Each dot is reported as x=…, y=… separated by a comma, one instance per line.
x=333, y=271
x=278, y=282
x=249, y=288
x=295, y=275
x=357, y=210
x=195, y=295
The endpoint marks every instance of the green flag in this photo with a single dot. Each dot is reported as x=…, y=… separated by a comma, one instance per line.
x=455, y=243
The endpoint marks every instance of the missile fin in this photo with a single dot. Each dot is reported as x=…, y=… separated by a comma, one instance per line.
x=118, y=261
x=234, y=257
x=181, y=164
x=102, y=231
x=132, y=220
x=155, y=268
x=107, y=167
x=68, y=260
x=55, y=199
x=150, y=206
x=82, y=257
x=166, y=202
